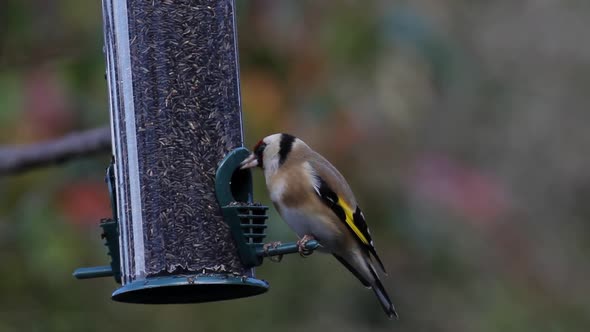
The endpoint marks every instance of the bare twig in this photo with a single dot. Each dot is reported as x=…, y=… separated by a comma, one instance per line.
x=16, y=159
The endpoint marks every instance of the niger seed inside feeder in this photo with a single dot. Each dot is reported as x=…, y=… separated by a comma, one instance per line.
x=186, y=119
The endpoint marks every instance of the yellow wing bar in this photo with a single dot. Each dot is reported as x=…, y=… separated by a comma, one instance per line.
x=350, y=221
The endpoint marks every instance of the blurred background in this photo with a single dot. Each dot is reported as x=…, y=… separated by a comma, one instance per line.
x=461, y=126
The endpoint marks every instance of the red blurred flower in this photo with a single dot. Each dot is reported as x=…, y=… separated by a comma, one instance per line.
x=84, y=203
x=463, y=190
x=47, y=112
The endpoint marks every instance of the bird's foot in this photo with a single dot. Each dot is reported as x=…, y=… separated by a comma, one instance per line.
x=273, y=245
x=301, y=244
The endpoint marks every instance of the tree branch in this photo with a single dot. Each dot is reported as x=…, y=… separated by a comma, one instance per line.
x=16, y=159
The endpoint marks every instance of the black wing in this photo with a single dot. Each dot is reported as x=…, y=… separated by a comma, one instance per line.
x=354, y=220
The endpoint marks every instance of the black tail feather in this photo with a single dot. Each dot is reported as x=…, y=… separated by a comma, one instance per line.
x=382, y=295
x=353, y=271
x=375, y=284
x=384, y=299
x=374, y=253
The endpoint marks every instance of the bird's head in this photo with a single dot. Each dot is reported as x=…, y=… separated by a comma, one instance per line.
x=271, y=151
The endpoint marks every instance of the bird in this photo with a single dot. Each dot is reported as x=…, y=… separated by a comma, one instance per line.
x=317, y=203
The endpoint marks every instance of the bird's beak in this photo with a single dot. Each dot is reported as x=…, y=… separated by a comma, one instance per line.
x=249, y=162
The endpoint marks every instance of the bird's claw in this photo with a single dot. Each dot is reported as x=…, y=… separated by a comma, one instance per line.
x=273, y=245
x=304, y=252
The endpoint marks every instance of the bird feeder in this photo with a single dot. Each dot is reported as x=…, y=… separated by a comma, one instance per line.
x=185, y=227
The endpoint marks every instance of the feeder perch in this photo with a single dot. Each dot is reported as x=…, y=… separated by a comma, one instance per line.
x=185, y=228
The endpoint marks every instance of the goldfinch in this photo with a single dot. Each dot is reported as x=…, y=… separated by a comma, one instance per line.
x=315, y=200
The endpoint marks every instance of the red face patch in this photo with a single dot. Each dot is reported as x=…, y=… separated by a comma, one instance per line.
x=258, y=152
x=257, y=145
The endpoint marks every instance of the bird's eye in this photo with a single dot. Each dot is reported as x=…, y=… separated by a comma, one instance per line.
x=259, y=149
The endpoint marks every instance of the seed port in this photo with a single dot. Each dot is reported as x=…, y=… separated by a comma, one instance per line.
x=245, y=218
x=253, y=222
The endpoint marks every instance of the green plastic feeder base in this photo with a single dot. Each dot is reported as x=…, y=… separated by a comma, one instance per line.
x=189, y=289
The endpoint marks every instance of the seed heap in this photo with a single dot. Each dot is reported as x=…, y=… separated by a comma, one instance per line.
x=187, y=112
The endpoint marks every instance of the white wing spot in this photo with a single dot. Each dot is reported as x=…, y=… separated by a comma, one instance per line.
x=312, y=176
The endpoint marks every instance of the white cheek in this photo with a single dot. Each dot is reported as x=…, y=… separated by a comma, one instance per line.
x=271, y=166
